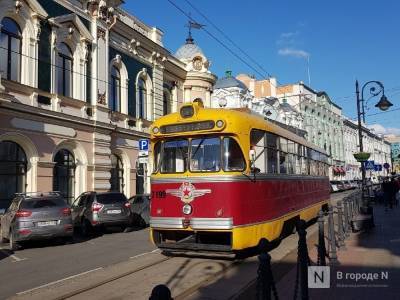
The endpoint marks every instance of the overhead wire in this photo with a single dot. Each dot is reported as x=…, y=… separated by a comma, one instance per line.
x=228, y=38
x=216, y=39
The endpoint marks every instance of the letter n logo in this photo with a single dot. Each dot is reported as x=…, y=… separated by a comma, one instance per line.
x=319, y=277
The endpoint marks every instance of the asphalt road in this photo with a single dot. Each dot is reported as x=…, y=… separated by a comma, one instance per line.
x=44, y=262
x=40, y=263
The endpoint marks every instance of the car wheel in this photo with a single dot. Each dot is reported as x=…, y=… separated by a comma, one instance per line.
x=86, y=228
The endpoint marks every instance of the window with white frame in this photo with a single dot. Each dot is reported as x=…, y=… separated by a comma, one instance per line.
x=10, y=49
x=64, y=70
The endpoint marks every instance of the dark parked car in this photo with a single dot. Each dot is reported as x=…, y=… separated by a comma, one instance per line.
x=140, y=208
x=34, y=216
x=93, y=210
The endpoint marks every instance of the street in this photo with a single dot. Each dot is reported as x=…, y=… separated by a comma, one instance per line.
x=44, y=262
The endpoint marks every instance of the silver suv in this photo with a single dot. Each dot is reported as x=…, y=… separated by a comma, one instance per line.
x=34, y=216
x=97, y=210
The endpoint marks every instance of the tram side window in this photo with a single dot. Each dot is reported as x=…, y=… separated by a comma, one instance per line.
x=257, y=143
x=174, y=156
x=299, y=159
x=272, y=153
x=292, y=157
x=157, y=150
x=233, y=159
x=283, y=159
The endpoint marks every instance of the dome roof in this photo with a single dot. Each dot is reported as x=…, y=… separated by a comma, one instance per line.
x=228, y=82
x=188, y=51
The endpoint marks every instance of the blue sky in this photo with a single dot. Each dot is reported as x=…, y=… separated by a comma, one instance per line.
x=344, y=40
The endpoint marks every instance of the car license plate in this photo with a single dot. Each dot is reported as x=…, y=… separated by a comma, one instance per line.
x=114, y=211
x=47, y=223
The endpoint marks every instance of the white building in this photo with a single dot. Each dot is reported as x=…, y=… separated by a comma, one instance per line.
x=230, y=92
x=374, y=144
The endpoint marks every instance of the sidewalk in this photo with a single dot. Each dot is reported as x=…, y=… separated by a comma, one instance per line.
x=368, y=268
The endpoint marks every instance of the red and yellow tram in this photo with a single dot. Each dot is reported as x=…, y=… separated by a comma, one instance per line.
x=224, y=179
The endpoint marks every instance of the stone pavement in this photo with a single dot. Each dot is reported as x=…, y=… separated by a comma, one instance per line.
x=368, y=267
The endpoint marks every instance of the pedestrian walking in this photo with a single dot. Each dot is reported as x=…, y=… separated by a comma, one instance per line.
x=396, y=189
x=387, y=191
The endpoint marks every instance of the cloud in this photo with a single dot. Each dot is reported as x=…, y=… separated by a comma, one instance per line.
x=293, y=52
x=287, y=38
x=379, y=129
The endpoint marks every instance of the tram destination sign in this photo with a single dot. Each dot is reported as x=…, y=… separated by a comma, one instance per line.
x=194, y=126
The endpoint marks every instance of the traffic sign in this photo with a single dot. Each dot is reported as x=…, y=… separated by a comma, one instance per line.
x=378, y=168
x=143, y=160
x=386, y=165
x=144, y=145
x=369, y=165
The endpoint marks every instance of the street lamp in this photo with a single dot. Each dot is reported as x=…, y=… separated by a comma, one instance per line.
x=383, y=104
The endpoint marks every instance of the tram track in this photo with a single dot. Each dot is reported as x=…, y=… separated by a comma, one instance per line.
x=109, y=280
x=183, y=274
x=152, y=268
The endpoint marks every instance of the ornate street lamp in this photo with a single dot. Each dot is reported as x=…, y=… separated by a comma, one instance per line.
x=383, y=104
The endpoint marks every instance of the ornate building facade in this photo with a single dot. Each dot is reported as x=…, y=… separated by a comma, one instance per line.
x=80, y=84
x=299, y=106
x=379, y=148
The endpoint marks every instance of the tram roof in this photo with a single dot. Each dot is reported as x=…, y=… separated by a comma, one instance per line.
x=237, y=120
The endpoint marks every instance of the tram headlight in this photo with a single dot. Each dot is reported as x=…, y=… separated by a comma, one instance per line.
x=187, y=209
x=156, y=130
x=187, y=111
x=220, y=123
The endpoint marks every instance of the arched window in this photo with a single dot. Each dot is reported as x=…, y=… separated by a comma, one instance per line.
x=12, y=172
x=115, y=90
x=64, y=174
x=142, y=98
x=64, y=70
x=117, y=174
x=10, y=49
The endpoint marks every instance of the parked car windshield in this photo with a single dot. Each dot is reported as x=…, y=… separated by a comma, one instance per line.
x=110, y=198
x=41, y=203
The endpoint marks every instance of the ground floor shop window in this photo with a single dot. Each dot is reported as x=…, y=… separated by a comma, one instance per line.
x=117, y=174
x=64, y=174
x=13, y=166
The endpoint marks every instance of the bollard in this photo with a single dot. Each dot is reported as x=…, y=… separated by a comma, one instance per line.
x=340, y=225
x=346, y=218
x=265, y=279
x=303, y=261
x=332, y=240
x=321, y=240
x=160, y=292
x=351, y=207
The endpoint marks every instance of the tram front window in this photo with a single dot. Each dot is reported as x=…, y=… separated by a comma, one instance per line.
x=174, y=156
x=232, y=156
x=205, y=155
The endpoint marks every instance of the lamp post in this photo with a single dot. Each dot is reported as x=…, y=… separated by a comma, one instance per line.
x=383, y=104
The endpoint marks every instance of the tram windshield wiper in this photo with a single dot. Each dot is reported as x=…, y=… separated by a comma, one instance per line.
x=198, y=147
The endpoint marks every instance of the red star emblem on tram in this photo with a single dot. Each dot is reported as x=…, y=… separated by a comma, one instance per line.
x=187, y=192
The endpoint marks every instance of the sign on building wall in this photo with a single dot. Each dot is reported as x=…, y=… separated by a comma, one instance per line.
x=143, y=147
